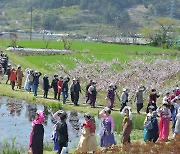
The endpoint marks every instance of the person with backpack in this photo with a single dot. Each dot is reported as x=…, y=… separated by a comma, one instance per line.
x=65, y=88
x=62, y=132
x=87, y=141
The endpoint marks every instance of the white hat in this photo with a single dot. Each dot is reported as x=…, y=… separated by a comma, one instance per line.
x=124, y=89
x=165, y=103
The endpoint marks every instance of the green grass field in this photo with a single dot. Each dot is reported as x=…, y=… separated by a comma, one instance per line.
x=98, y=50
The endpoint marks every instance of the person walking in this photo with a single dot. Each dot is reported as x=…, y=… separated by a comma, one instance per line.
x=19, y=75
x=54, y=85
x=127, y=124
x=65, y=88
x=152, y=99
x=59, y=83
x=13, y=78
x=46, y=85
x=62, y=132
x=87, y=92
x=92, y=94
x=153, y=133
x=8, y=73
x=77, y=90
x=139, y=98
x=72, y=90
x=107, y=135
x=164, y=123
x=124, y=98
x=87, y=141
x=111, y=95
x=37, y=134
x=36, y=76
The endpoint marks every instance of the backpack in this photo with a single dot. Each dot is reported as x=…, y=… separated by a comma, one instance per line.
x=149, y=125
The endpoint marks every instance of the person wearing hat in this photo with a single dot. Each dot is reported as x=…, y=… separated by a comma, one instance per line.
x=92, y=94
x=146, y=121
x=139, y=98
x=124, y=98
x=152, y=99
x=37, y=134
x=19, y=75
x=8, y=73
x=164, y=123
x=26, y=84
x=127, y=124
x=54, y=85
x=107, y=135
x=153, y=133
x=87, y=141
x=62, y=132
x=56, y=118
x=13, y=78
x=65, y=88
x=36, y=76
x=46, y=85
x=111, y=95
x=59, y=83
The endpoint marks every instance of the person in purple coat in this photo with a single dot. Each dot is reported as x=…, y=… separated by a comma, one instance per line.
x=107, y=135
x=111, y=95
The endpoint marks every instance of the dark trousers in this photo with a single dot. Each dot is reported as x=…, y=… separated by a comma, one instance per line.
x=12, y=84
x=59, y=94
x=72, y=97
x=122, y=106
x=76, y=98
x=45, y=93
x=7, y=79
x=55, y=93
x=139, y=107
x=61, y=145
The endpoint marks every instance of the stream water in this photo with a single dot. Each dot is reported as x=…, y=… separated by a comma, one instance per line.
x=16, y=117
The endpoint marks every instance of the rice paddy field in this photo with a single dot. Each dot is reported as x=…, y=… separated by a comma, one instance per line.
x=96, y=52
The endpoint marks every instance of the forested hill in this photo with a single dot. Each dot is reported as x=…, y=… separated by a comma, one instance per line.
x=77, y=14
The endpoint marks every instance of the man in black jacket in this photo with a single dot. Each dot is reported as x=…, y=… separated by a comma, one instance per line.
x=77, y=89
x=54, y=85
x=62, y=132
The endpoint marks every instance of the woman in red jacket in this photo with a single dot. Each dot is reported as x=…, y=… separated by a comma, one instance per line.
x=13, y=78
x=59, y=84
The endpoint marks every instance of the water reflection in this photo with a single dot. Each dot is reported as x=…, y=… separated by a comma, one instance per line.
x=16, y=117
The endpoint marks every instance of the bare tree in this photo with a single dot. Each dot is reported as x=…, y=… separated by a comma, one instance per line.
x=67, y=42
x=13, y=38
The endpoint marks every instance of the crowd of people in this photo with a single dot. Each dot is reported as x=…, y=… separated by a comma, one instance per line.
x=153, y=130
x=156, y=124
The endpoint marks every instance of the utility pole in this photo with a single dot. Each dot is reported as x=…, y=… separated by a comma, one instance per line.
x=172, y=9
x=30, y=33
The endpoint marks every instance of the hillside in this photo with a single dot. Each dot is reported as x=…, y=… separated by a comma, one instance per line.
x=84, y=16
